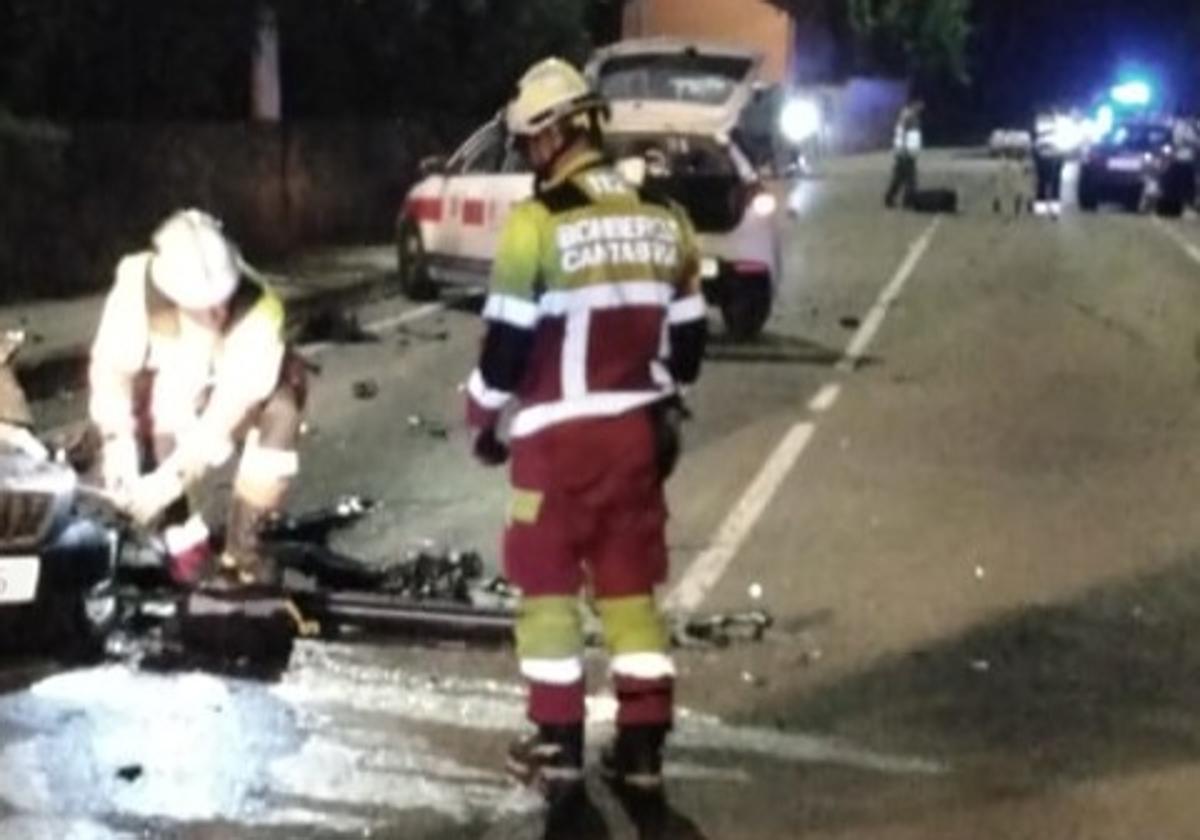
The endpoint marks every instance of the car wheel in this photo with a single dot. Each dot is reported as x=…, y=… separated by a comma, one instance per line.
x=98, y=615
x=79, y=624
x=1088, y=199
x=746, y=307
x=412, y=267
x=1170, y=208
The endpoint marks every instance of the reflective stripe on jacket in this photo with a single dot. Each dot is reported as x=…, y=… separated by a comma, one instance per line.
x=594, y=307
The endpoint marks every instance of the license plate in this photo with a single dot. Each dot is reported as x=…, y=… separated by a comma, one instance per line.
x=19, y=579
x=1125, y=164
x=709, y=268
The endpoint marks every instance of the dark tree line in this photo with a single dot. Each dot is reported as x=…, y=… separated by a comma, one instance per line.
x=190, y=59
x=983, y=61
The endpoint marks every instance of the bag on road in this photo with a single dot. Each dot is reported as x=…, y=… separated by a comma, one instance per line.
x=934, y=201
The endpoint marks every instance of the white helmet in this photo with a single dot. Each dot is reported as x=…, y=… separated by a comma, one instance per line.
x=193, y=263
x=550, y=91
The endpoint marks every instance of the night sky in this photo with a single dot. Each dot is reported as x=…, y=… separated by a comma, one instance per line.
x=1027, y=55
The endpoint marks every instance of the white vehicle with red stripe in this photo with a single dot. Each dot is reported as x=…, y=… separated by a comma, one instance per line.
x=675, y=105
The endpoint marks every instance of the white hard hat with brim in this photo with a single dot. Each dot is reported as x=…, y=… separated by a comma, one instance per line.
x=193, y=263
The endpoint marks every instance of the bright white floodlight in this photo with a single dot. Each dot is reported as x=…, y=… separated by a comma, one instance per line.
x=799, y=120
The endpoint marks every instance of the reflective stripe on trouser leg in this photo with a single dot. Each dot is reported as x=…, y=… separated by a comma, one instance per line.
x=264, y=473
x=549, y=632
x=259, y=488
x=643, y=673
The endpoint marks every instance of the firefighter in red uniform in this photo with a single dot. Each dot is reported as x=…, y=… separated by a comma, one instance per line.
x=594, y=321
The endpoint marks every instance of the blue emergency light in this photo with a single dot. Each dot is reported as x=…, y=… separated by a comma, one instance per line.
x=1132, y=93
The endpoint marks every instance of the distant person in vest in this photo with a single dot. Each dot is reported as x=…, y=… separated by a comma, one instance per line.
x=594, y=323
x=1048, y=158
x=188, y=365
x=906, y=145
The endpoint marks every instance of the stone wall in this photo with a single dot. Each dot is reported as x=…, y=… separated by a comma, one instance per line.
x=74, y=199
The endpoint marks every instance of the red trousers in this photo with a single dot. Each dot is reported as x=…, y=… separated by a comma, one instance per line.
x=602, y=514
x=588, y=508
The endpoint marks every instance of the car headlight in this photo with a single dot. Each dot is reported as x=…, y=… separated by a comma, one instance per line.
x=799, y=120
x=763, y=204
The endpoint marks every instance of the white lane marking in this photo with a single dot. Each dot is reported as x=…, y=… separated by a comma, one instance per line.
x=825, y=398
x=707, y=569
x=874, y=320
x=1179, y=239
x=406, y=317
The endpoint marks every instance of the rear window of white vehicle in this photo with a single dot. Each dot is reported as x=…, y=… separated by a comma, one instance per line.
x=681, y=77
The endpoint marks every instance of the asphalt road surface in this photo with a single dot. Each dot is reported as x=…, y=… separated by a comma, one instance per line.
x=960, y=469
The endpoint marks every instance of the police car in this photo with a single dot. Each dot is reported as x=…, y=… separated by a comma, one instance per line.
x=675, y=107
x=1141, y=163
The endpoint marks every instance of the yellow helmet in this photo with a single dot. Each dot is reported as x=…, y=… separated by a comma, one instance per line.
x=549, y=92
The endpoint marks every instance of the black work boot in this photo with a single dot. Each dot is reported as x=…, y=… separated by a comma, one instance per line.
x=634, y=759
x=550, y=759
x=632, y=766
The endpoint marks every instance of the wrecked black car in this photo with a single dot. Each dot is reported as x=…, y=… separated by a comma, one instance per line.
x=56, y=566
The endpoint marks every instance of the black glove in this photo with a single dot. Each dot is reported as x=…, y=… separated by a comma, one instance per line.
x=668, y=416
x=489, y=449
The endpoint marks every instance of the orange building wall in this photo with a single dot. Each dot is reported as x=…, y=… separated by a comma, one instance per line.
x=749, y=22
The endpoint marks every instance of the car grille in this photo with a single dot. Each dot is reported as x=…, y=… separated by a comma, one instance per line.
x=24, y=517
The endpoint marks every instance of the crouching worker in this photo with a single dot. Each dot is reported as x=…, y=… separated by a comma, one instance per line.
x=189, y=364
x=594, y=319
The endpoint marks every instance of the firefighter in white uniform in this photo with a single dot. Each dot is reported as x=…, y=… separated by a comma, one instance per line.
x=906, y=145
x=189, y=363
x=1048, y=165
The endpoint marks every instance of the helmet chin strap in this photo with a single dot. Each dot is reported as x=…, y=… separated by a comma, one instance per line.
x=568, y=140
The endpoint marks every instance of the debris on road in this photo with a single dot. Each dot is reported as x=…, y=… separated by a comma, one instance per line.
x=811, y=656
x=850, y=322
x=366, y=389
x=431, y=573
x=433, y=428
x=129, y=772
x=755, y=591
x=408, y=331
x=334, y=326
x=720, y=629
